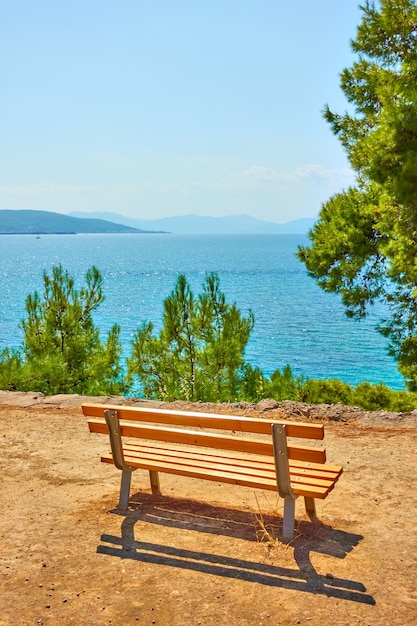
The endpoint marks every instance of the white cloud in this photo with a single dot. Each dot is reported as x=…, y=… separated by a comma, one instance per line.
x=306, y=173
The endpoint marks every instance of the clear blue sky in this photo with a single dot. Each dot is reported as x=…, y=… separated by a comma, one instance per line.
x=152, y=108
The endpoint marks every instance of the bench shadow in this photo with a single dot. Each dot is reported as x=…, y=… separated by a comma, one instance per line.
x=202, y=517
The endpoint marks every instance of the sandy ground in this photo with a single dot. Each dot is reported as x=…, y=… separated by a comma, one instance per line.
x=195, y=555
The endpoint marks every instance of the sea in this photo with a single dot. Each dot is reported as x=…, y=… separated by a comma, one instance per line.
x=296, y=323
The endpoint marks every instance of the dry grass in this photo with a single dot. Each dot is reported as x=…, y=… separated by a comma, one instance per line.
x=268, y=533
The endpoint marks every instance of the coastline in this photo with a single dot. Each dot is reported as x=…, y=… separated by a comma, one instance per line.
x=286, y=410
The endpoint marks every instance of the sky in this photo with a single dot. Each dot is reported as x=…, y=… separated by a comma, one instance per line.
x=169, y=107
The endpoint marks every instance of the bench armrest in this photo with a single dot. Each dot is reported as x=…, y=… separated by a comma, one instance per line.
x=279, y=438
x=113, y=426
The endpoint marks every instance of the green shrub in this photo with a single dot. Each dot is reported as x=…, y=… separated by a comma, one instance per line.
x=381, y=397
x=316, y=391
x=283, y=385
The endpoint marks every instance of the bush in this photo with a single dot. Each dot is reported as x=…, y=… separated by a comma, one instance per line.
x=284, y=385
x=316, y=391
x=380, y=397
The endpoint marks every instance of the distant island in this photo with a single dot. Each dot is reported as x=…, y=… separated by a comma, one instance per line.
x=31, y=222
x=27, y=222
x=200, y=224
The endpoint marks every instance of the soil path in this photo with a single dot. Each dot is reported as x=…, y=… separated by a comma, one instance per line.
x=194, y=556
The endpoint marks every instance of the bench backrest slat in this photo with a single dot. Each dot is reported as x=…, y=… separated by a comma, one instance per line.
x=207, y=439
x=206, y=420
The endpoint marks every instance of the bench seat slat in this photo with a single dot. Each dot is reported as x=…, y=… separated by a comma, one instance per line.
x=205, y=420
x=207, y=439
x=198, y=461
x=235, y=455
x=215, y=474
x=247, y=463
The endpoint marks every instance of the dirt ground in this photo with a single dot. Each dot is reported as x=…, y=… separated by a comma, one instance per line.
x=198, y=555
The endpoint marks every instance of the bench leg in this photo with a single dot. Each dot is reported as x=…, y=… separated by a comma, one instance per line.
x=310, y=507
x=154, y=476
x=124, y=489
x=289, y=518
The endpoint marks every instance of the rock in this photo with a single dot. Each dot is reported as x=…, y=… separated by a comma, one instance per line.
x=285, y=410
x=266, y=405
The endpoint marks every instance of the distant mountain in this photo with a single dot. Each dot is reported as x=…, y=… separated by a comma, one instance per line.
x=25, y=222
x=197, y=224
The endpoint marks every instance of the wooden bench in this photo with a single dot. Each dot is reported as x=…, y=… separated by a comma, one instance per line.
x=216, y=447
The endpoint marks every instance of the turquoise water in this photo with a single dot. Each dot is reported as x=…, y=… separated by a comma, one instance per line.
x=295, y=321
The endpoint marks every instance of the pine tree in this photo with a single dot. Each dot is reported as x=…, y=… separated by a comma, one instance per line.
x=198, y=354
x=61, y=350
x=364, y=243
